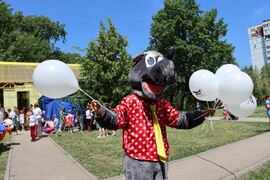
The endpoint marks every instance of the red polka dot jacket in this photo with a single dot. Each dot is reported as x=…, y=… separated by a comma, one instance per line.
x=134, y=116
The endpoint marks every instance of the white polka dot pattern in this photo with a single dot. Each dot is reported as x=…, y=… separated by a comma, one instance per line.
x=135, y=118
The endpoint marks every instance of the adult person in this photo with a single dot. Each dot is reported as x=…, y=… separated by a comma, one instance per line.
x=56, y=122
x=81, y=120
x=198, y=106
x=37, y=113
x=2, y=113
x=48, y=126
x=267, y=106
x=62, y=118
x=11, y=114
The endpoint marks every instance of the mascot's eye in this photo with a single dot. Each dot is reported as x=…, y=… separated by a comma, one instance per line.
x=150, y=61
x=159, y=59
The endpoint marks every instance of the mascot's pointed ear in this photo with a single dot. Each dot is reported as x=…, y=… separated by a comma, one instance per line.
x=170, y=52
x=138, y=57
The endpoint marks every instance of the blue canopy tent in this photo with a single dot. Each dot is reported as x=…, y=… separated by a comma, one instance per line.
x=53, y=106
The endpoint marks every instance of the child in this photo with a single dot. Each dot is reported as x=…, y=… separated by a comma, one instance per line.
x=32, y=125
x=69, y=122
x=225, y=114
x=56, y=122
x=21, y=117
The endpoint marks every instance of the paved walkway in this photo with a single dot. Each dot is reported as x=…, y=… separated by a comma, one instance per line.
x=45, y=160
x=41, y=160
x=228, y=162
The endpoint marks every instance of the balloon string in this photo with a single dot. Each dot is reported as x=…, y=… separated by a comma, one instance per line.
x=200, y=116
x=86, y=94
x=215, y=103
x=218, y=104
x=97, y=101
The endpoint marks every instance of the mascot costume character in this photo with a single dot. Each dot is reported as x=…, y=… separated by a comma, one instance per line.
x=144, y=115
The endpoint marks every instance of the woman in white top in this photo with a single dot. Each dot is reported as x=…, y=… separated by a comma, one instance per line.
x=37, y=113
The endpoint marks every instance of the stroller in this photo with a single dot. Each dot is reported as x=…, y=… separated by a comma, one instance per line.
x=232, y=117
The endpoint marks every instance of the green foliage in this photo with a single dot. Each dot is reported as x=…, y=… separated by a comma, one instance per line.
x=197, y=37
x=261, y=173
x=265, y=80
x=30, y=38
x=261, y=81
x=5, y=146
x=104, y=71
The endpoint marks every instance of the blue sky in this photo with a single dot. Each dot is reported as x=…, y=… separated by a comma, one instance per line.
x=133, y=19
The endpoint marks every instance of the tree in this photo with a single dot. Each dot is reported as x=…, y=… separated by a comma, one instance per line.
x=104, y=71
x=259, y=85
x=198, y=38
x=265, y=81
x=261, y=81
x=29, y=38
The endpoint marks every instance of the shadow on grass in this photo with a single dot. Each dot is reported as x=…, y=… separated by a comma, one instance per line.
x=263, y=130
x=6, y=147
x=44, y=136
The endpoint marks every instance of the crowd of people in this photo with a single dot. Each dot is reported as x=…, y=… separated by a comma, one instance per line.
x=34, y=118
x=73, y=121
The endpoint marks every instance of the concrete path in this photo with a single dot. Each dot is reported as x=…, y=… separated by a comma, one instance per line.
x=41, y=160
x=45, y=160
x=228, y=162
x=231, y=161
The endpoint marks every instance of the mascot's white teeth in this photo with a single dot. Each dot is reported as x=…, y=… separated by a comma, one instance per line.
x=153, y=88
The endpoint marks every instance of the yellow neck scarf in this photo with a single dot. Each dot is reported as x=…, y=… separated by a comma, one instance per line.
x=158, y=135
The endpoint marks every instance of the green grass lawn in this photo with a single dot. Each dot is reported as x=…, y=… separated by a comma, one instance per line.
x=103, y=157
x=260, y=112
x=262, y=173
x=4, y=151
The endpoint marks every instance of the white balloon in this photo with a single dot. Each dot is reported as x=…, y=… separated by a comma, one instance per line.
x=225, y=69
x=54, y=79
x=244, y=109
x=235, y=87
x=203, y=85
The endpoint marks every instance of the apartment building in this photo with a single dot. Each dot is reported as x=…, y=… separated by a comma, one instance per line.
x=259, y=40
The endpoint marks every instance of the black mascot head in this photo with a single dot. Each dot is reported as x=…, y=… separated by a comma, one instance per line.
x=151, y=74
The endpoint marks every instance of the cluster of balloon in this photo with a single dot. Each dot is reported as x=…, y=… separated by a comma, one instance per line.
x=54, y=79
x=229, y=84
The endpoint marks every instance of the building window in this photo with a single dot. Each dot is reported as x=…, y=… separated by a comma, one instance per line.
x=267, y=37
x=267, y=47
